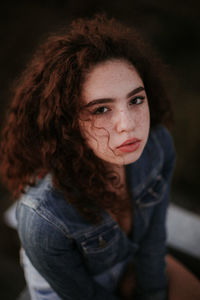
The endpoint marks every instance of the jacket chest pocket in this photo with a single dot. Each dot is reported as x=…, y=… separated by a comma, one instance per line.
x=146, y=204
x=153, y=194
x=101, y=250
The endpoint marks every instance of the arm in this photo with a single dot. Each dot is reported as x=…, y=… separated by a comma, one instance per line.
x=183, y=285
x=57, y=258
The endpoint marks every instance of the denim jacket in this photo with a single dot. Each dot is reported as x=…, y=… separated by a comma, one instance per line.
x=72, y=254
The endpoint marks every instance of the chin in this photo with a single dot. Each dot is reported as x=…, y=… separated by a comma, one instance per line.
x=124, y=160
x=130, y=157
x=130, y=160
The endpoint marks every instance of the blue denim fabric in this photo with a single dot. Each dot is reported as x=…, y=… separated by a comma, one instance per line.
x=40, y=289
x=82, y=261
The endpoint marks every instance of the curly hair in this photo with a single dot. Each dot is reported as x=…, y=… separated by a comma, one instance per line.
x=41, y=133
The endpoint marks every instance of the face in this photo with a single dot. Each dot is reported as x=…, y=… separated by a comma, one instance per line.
x=115, y=120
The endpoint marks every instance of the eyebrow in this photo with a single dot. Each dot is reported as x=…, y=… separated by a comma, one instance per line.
x=110, y=100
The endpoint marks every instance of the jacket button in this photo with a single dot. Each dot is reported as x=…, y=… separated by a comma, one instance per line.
x=102, y=242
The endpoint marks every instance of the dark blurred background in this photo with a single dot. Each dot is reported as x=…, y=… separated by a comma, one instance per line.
x=173, y=27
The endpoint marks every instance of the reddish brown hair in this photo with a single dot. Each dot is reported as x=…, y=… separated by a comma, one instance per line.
x=42, y=134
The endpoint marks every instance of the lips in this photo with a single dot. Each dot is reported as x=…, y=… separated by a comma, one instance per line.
x=130, y=145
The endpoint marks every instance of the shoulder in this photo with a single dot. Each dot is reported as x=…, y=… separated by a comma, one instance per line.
x=46, y=212
x=158, y=153
x=37, y=230
x=160, y=147
x=164, y=138
x=38, y=224
x=167, y=145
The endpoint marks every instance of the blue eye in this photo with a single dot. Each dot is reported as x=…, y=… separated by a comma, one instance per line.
x=137, y=100
x=100, y=110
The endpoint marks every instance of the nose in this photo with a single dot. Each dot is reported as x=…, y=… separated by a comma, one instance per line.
x=124, y=121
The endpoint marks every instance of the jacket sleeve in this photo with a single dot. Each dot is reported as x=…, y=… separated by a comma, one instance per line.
x=57, y=258
x=150, y=262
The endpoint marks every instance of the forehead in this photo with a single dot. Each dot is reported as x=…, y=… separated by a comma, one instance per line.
x=110, y=79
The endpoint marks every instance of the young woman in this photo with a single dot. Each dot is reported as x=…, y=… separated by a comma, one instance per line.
x=85, y=150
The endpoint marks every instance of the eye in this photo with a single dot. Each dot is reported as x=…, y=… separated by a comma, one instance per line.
x=100, y=110
x=137, y=100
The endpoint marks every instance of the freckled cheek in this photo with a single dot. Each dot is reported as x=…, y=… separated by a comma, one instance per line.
x=101, y=128
x=142, y=120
